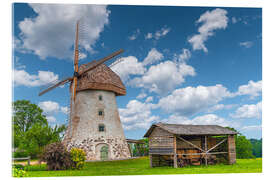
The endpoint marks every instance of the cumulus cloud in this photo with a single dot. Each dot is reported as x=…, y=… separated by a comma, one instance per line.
x=249, y=111
x=246, y=44
x=185, y=55
x=141, y=95
x=134, y=35
x=51, y=108
x=152, y=57
x=219, y=107
x=137, y=115
x=51, y=33
x=163, y=77
x=23, y=78
x=252, y=128
x=128, y=66
x=253, y=89
x=208, y=119
x=51, y=119
x=211, y=21
x=191, y=100
x=149, y=99
x=158, y=34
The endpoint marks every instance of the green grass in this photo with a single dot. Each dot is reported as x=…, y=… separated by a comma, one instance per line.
x=140, y=166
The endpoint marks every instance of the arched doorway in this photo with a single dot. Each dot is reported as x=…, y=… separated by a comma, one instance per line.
x=104, y=152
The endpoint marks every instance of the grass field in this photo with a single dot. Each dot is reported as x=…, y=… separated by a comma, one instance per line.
x=140, y=166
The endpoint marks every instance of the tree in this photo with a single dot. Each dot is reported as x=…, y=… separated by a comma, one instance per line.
x=31, y=132
x=243, y=146
x=256, y=147
x=25, y=115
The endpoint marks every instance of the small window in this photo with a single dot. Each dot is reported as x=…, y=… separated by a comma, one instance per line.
x=100, y=113
x=100, y=97
x=101, y=128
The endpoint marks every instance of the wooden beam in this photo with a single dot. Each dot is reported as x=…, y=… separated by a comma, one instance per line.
x=216, y=145
x=203, y=153
x=175, y=152
x=151, y=163
x=205, y=149
x=190, y=143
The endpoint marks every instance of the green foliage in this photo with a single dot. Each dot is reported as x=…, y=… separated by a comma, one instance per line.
x=37, y=167
x=141, y=149
x=16, y=172
x=243, y=146
x=57, y=157
x=256, y=147
x=19, y=154
x=78, y=156
x=31, y=131
x=18, y=166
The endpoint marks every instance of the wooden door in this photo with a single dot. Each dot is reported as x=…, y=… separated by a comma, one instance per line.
x=104, y=152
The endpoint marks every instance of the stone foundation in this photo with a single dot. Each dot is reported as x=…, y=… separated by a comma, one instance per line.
x=118, y=147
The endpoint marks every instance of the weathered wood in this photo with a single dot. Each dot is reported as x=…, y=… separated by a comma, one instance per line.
x=161, y=150
x=205, y=149
x=216, y=145
x=202, y=153
x=175, y=161
x=231, y=149
x=190, y=143
x=23, y=158
x=150, y=157
x=175, y=153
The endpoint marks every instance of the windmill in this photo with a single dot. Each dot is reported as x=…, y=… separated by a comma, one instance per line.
x=94, y=122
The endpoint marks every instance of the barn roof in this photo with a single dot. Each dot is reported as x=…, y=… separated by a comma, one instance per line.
x=100, y=78
x=181, y=129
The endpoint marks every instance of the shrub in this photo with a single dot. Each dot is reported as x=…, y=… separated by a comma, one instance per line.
x=57, y=157
x=19, y=154
x=78, y=157
x=18, y=166
x=18, y=172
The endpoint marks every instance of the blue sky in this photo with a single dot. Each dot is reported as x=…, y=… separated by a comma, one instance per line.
x=189, y=65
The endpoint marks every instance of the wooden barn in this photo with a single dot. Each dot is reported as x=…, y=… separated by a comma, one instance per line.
x=180, y=145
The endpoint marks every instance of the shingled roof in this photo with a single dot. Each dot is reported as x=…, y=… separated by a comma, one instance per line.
x=181, y=129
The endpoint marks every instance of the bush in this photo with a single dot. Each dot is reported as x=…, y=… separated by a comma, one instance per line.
x=19, y=154
x=78, y=157
x=18, y=172
x=57, y=157
x=18, y=166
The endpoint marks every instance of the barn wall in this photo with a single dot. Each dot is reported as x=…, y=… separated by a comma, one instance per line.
x=160, y=142
x=83, y=130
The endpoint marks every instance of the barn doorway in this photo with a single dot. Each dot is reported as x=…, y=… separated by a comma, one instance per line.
x=104, y=152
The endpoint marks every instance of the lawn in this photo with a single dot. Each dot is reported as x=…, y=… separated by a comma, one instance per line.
x=140, y=166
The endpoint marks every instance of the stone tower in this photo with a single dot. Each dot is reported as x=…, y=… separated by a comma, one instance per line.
x=95, y=124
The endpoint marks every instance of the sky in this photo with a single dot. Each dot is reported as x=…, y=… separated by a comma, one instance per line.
x=184, y=65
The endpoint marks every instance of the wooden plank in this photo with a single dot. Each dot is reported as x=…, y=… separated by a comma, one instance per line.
x=231, y=149
x=151, y=163
x=202, y=153
x=175, y=155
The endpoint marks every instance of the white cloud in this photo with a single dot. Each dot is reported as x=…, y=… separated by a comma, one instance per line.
x=149, y=99
x=185, y=55
x=158, y=34
x=128, y=66
x=17, y=64
x=234, y=20
x=211, y=20
x=163, y=77
x=249, y=111
x=22, y=78
x=219, y=107
x=51, y=119
x=252, y=128
x=149, y=36
x=134, y=35
x=51, y=33
x=246, y=44
x=191, y=100
x=208, y=119
x=253, y=89
x=137, y=115
x=49, y=107
x=152, y=57
x=141, y=95
x=64, y=109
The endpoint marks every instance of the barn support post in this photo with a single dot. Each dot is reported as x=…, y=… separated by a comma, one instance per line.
x=231, y=149
x=175, y=153
x=205, y=149
x=151, y=161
